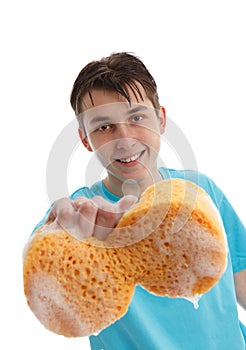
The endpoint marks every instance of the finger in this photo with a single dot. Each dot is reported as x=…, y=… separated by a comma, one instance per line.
x=53, y=211
x=64, y=211
x=106, y=218
x=125, y=203
x=51, y=217
x=85, y=218
x=105, y=223
x=109, y=214
x=102, y=203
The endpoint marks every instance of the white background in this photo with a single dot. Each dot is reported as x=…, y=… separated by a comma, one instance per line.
x=194, y=49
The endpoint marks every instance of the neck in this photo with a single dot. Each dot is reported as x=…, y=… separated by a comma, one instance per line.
x=134, y=187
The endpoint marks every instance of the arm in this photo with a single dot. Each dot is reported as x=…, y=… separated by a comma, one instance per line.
x=240, y=286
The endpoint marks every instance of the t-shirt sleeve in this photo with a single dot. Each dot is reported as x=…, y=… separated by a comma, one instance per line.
x=235, y=229
x=236, y=235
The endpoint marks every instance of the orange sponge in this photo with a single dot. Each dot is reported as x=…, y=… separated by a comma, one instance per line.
x=172, y=243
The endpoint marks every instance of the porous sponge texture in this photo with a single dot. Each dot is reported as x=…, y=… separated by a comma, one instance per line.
x=172, y=243
x=74, y=288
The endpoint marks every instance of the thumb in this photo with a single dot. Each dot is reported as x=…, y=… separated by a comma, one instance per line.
x=126, y=203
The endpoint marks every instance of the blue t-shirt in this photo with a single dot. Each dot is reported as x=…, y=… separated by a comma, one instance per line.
x=161, y=323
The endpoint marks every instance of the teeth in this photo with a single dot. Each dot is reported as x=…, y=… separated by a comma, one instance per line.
x=131, y=159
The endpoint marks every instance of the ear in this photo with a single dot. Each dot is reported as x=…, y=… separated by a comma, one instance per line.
x=162, y=118
x=84, y=140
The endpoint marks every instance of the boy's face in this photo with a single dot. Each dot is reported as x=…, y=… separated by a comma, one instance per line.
x=125, y=137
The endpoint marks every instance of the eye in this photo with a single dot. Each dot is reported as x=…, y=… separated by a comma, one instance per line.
x=137, y=118
x=104, y=127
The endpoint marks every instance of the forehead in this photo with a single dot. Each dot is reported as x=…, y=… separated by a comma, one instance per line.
x=114, y=111
x=104, y=104
x=98, y=97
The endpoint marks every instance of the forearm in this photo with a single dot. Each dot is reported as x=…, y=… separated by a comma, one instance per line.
x=240, y=286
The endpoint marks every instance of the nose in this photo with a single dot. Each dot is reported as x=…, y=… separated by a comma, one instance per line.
x=124, y=139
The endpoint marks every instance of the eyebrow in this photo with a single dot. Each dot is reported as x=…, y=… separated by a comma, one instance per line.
x=99, y=120
x=102, y=119
x=137, y=109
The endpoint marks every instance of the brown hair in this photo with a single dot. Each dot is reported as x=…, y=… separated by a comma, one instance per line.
x=117, y=72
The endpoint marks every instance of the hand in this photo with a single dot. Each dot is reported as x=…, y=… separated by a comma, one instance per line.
x=85, y=217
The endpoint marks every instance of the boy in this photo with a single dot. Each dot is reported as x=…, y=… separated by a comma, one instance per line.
x=120, y=119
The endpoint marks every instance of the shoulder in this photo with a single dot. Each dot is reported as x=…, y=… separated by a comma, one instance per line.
x=88, y=192
x=201, y=179
x=81, y=192
x=97, y=189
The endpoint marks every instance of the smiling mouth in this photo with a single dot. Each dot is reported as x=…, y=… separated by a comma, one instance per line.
x=131, y=159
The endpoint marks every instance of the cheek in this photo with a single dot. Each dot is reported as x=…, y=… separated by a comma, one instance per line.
x=156, y=146
x=95, y=142
x=152, y=140
x=103, y=149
